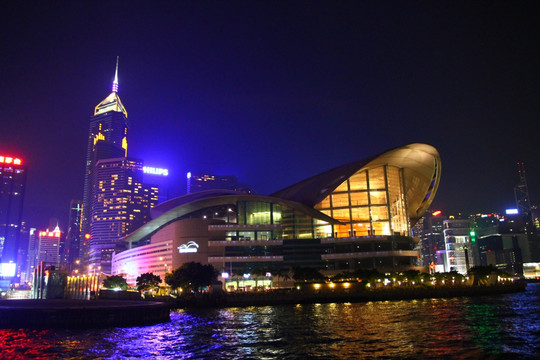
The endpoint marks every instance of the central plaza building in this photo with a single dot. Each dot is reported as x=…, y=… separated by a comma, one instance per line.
x=356, y=216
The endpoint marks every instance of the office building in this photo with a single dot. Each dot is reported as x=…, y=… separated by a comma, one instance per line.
x=431, y=239
x=502, y=241
x=107, y=139
x=459, y=248
x=12, y=187
x=49, y=247
x=74, y=237
x=121, y=204
x=158, y=177
x=33, y=253
x=22, y=256
x=355, y=216
x=201, y=182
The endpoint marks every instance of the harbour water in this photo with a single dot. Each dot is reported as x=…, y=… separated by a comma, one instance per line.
x=484, y=327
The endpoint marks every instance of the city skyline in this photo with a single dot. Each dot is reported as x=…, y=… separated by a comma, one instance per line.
x=252, y=89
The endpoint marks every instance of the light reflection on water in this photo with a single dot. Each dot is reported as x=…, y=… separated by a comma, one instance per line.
x=506, y=326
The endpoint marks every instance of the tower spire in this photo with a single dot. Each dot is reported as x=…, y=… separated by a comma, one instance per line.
x=115, y=82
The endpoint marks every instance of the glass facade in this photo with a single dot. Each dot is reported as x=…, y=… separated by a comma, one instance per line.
x=459, y=249
x=368, y=225
x=371, y=202
x=258, y=213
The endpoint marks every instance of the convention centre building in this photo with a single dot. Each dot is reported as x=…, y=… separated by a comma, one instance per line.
x=355, y=216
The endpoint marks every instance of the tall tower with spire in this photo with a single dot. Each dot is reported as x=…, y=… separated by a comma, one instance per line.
x=107, y=139
x=523, y=204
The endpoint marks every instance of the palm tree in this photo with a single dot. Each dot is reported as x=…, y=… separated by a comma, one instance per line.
x=280, y=273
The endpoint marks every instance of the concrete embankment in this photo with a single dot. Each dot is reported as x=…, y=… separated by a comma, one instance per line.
x=62, y=313
x=298, y=297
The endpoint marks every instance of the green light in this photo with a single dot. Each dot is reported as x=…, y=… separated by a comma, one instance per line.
x=473, y=236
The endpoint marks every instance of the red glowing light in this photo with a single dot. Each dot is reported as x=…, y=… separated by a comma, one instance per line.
x=10, y=160
x=437, y=213
x=50, y=234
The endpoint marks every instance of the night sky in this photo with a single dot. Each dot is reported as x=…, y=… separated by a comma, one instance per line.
x=275, y=92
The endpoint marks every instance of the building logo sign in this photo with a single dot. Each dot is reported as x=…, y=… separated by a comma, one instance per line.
x=189, y=247
x=155, y=171
x=10, y=160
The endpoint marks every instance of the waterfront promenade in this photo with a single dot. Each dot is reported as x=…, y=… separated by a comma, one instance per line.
x=292, y=296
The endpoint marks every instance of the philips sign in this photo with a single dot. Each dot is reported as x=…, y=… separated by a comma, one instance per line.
x=155, y=171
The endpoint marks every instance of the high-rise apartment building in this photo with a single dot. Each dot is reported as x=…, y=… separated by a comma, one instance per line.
x=121, y=205
x=107, y=139
x=12, y=185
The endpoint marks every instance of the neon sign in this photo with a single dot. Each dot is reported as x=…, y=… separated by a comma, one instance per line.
x=189, y=247
x=155, y=171
x=49, y=234
x=512, y=211
x=10, y=160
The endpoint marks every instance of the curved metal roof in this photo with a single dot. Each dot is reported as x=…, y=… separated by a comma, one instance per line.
x=419, y=162
x=206, y=200
x=181, y=200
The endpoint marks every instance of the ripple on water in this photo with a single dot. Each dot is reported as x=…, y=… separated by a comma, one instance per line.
x=498, y=327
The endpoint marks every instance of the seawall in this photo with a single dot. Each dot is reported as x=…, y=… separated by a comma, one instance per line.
x=299, y=297
x=62, y=313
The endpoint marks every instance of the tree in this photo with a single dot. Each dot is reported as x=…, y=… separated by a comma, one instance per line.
x=307, y=274
x=147, y=281
x=114, y=282
x=192, y=276
x=279, y=272
x=481, y=273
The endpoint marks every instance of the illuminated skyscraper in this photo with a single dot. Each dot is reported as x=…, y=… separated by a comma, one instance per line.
x=33, y=253
x=158, y=177
x=12, y=185
x=107, y=139
x=73, y=238
x=431, y=239
x=49, y=247
x=459, y=245
x=121, y=205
